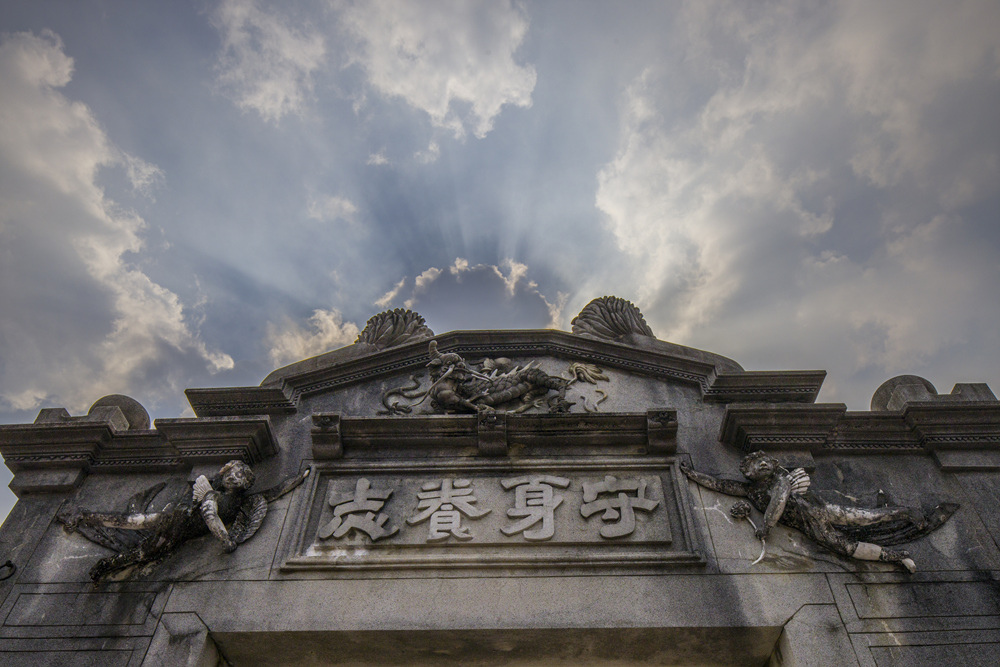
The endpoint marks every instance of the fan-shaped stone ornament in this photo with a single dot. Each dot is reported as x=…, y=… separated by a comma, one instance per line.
x=394, y=327
x=610, y=318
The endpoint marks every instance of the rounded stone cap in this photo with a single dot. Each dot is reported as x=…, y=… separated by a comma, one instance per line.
x=135, y=414
x=896, y=392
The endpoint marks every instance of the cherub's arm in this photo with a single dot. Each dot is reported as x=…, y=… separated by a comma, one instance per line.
x=210, y=513
x=728, y=486
x=780, y=490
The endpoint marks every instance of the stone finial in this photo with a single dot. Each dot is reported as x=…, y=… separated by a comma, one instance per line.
x=895, y=393
x=610, y=318
x=135, y=414
x=394, y=327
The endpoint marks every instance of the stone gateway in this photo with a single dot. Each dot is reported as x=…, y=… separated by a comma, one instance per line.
x=599, y=497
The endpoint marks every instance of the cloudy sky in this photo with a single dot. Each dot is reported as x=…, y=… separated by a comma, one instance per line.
x=194, y=193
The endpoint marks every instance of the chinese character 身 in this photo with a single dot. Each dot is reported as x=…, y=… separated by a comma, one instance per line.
x=534, y=501
x=621, y=507
x=444, y=503
x=360, y=510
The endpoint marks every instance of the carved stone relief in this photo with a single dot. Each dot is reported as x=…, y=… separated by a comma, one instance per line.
x=494, y=384
x=221, y=506
x=584, y=513
x=394, y=327
x=783, y=497
x=610, y=318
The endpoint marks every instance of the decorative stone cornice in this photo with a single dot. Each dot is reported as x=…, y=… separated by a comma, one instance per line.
x=959, y=435
x=58, y=451
x=220, y=439
x=231, y=401
x=496, y=434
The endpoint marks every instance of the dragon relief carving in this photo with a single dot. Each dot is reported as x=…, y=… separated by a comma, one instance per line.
x=221, y=506
x=493, y=384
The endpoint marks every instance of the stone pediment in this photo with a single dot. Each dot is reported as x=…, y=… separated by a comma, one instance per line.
x=715, y=378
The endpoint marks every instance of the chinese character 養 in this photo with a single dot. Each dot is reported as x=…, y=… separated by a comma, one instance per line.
x=444, y=503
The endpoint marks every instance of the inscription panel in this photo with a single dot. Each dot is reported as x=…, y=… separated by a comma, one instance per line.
x=493, y=514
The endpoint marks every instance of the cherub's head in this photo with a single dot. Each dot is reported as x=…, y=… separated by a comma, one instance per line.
x=236, y=476
x=758, y=465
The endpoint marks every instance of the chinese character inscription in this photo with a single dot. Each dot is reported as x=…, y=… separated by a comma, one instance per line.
x=360, y=510
x=528, y=506
x=626, y=496
x=535, y=501
x=444, y=503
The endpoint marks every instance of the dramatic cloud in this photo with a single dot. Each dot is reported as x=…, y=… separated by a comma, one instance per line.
x=81, y=319
x=326, y=331
x=266, y=64
x=792, y=183
x=453, y=59
x=816, y=192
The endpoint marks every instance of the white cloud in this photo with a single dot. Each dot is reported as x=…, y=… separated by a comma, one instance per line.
x=378, y=159
x=556, y=309
x=515, y=271
x=142, y=175
x=430, y=155
x=80, y=318
x=425, y=279
x=421, y=283
x=326, y=331
x=453, y=59
x=387, y=298
x=328, y=208
x=815, y=193
x=266, y=64
x=461, y=265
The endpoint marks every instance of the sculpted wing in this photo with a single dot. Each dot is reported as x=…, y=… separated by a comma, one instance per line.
x=250, y=517
x=800, y=481
x=118, y=539
x=899, y=532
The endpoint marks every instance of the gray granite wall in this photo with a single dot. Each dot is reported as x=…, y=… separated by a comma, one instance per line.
x=679, y=589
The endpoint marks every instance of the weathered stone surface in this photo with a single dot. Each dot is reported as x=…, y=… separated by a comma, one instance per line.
x=365, y=564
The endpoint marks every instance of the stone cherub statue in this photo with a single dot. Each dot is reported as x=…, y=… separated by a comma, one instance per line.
x=783, y=497
x=220, y=506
